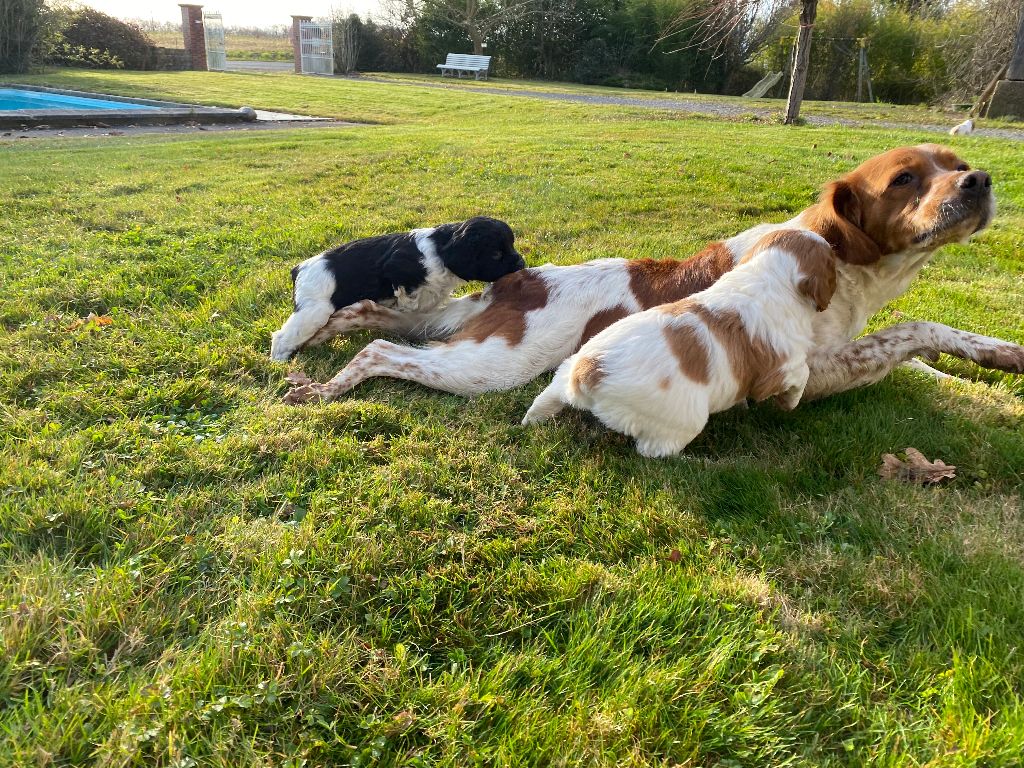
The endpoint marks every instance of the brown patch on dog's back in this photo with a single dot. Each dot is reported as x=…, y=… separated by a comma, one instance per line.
x=755, y=363
x=512, y=297
x=655, y=282
x=586, y=375
x=602, y=320
x=678, y=307
x=688, y=347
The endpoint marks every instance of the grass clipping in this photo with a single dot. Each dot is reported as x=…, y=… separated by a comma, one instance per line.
x=916, y=468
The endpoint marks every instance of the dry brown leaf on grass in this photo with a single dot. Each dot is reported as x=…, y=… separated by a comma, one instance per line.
x=916, y=469
x=91, y=322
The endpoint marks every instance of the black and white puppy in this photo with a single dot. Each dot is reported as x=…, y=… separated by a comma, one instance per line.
x=409, y=272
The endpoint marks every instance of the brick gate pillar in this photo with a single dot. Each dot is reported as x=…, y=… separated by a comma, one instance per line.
x=297, y=41
x=194, y=32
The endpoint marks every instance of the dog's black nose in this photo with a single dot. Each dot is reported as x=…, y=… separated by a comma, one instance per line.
x=521, y=262
x=976, y=182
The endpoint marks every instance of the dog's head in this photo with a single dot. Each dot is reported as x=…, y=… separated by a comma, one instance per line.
x=481, y=248
x=908, y=200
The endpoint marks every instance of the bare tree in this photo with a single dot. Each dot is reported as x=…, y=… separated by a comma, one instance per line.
x=731, y=29
x=744, y=26
x=975, y=57
x=808, y=12
x=345, y=34
x=477, y=17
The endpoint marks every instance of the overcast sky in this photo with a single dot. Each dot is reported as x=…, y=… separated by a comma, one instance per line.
x=237, y=13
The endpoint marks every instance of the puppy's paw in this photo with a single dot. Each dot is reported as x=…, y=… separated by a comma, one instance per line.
x=279, y=350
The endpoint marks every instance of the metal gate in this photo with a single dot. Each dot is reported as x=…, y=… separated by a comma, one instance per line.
x=216, y=56
x=317, y=46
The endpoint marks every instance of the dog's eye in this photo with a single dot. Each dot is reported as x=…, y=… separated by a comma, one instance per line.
x=963, y=167
x=902, y=180
x=496, y=255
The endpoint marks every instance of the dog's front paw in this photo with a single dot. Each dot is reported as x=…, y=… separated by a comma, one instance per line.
x=304, y=389
x=305, y=393
x=1005, y=357
x=279, y=350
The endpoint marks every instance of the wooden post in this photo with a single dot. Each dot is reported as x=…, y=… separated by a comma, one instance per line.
x=860, y=71
x=808, y=12
x=867, y=75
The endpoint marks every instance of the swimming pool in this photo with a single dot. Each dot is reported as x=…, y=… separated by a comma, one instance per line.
x=36, y=106
x=20, y=98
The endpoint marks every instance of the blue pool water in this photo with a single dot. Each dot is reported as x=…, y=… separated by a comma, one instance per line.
x=15, y=98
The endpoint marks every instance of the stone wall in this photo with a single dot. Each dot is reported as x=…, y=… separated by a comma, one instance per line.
x=171, y=59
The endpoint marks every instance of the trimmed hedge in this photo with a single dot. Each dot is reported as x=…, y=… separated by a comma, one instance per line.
x=112, y=42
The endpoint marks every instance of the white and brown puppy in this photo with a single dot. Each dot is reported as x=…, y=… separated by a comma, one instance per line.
x=657, y=375
x=412, y=273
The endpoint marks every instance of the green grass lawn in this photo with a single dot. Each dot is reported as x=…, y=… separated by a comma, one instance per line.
x=192, y=573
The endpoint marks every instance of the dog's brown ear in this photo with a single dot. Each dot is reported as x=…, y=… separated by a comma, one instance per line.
x=818, y=276
x=838, y=217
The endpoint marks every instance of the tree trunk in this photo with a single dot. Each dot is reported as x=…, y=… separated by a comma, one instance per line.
x=808, y=12
x=477, y=36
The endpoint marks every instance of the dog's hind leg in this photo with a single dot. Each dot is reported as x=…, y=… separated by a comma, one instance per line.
x=869, y=359
x=916, y=364
x=461, y=367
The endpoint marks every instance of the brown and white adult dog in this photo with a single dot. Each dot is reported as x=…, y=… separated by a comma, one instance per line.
x=884, y=220
x=657, y=375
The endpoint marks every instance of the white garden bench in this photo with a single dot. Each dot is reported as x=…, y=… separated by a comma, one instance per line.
x=458, y=63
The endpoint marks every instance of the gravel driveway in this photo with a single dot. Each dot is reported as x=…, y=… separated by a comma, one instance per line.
x=694, y=106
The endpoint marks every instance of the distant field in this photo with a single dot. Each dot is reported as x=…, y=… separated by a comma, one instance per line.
x=193, y=574
x=241, y=47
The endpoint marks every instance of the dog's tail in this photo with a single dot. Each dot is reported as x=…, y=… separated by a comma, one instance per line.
x=575, y=378
x=549, y=403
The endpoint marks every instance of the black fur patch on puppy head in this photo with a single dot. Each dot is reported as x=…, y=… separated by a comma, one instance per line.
x=481, y=248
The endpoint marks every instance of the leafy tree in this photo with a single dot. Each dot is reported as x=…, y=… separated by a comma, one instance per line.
x=477, y=18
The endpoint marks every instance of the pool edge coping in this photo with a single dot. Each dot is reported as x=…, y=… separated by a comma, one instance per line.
x=174, y=111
